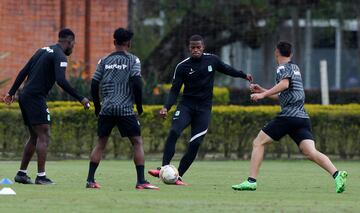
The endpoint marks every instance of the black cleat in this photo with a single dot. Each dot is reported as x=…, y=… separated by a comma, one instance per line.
x=24, y=179
x=43, y=180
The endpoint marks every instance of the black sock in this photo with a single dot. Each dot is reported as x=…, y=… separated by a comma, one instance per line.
x=140, y=173
x=335, y=174
x=251, y=180
x=20, y=173
x=92, y=168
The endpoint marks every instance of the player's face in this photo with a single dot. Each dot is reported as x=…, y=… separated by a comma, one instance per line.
x=68, y=50
x=196, y=48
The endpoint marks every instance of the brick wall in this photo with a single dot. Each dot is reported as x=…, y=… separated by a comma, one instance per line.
x=27, y=25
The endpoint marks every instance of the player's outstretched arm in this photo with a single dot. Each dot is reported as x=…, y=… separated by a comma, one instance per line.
x=281, y=86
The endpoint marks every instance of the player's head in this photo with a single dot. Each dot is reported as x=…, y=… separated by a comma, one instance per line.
x=196, y=46
x=122, y=37
x=283, y=49
x=67, y=40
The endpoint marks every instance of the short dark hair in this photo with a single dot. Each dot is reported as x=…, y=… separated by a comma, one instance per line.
x=196, y=37
x=65, y=33
x=284, y=48
x=122, y=35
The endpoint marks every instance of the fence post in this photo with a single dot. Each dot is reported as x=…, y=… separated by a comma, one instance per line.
x=324, y=83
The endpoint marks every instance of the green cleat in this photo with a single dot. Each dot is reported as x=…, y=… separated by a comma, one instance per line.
x=340, y=181
x=246, y=185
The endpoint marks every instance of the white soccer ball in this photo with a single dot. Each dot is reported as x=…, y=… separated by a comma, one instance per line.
x=169, y=174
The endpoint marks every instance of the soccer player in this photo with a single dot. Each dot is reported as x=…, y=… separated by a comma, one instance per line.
x=46, y=66
x=196, y=73
x=119, y=75
x=292, y=120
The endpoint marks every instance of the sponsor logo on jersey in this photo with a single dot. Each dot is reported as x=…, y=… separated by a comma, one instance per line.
x=177, y=113
x=63, y=64
x=191, y=71
x=210, y=69
x=115, y=66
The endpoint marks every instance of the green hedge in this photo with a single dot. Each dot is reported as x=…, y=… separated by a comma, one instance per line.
x=73, y=134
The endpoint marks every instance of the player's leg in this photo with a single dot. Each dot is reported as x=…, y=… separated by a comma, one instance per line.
x=129, y=127
x=274, y=130
x=30, y=146
x=180, y=121
x=199, y=127
x=139, y=162
x=105, y=126
x=257, y=153
x=29, y=150
x=43, y=138
x=304, y=138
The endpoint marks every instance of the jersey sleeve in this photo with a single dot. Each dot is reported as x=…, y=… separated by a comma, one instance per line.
x=177, y=83
x=98, y=75
x=60, y=64
x=227, y=69
x=136, y=68
x=24, y=73
x=283, y=72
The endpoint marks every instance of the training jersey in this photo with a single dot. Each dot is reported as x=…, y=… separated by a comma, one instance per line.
x=293, y=98
x=197, y=76
x=45, y=67
x=114, y=73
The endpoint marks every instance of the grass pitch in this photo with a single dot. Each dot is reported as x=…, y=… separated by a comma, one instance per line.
x=283, y=186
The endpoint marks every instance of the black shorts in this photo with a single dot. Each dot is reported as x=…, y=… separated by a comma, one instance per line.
x=128, y=126
x=34, y=110
x=298, y=129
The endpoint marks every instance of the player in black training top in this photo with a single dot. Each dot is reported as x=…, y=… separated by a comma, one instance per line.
x=292, y=120
x=46, y=66
x=118, y=76
x=196, y=73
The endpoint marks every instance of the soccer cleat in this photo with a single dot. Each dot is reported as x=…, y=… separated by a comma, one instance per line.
x=340, y=181
x=24, y=179
x=43, y=180
x=245, y=186
x=93, y=185
x=146, y=185
x=180, y=182
x=154, y=172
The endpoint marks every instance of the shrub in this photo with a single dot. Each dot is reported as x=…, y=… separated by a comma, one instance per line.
x=336, y=129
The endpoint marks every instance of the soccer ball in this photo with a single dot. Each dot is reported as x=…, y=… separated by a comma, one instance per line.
x=169, y=174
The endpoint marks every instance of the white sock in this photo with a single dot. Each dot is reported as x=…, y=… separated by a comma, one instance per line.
x=41, y=174
x=23, y=171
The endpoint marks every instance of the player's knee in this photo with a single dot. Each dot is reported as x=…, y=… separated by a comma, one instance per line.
x=310, y=153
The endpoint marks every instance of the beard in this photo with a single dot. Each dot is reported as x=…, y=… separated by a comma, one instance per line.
x=68, y=51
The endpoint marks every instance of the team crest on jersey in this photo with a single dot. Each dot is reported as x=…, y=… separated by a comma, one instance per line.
x=210, y=69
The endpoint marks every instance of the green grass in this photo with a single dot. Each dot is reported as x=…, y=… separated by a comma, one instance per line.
x=283, y=186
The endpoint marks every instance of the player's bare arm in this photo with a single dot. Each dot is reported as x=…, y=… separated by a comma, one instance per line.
x=281, y=86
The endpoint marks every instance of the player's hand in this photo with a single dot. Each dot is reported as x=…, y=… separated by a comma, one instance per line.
x=8, y=99
x=257, y=96
x=249, y=78
x=256, y=88
x=163, y=112
x=139, y=109
x=85, y=102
